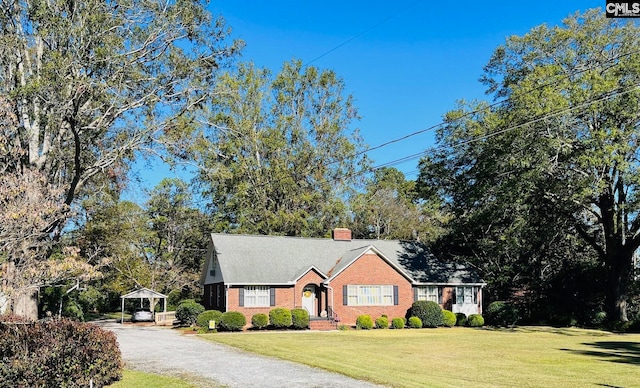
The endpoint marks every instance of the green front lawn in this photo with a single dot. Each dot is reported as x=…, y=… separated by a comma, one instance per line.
x=455, y=357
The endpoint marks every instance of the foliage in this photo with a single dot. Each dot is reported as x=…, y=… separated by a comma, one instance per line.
x=343, y=327
x=382, y=323
x=209, y=315
x=233, y=321
x=398, y=323
x=475, y=320
x=429, y=313
x=389, y=209
x=461, y=319
x=280, y=318
x=259, y=321
x=57, y=353
x=279, y=156
x=449, y=319
x=364, y=322
x=548, y=179
x=501, y=313
x=414, y=322
x=90, y=83
x=188, y=311
x=300, y=318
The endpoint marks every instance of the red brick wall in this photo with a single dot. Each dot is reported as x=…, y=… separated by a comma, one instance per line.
x=370, y=269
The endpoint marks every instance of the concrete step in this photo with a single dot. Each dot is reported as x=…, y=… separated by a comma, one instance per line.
x=322, y=324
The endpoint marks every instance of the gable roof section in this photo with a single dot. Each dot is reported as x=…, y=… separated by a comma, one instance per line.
x=279, y=260
x=143, y=293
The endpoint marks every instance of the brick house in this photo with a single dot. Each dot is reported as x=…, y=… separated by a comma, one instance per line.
x=333, y=279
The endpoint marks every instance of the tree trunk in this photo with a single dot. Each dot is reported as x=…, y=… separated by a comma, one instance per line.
x=620, y=272
x=19, y=301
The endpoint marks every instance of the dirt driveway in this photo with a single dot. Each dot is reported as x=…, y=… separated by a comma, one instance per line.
x=162, y=350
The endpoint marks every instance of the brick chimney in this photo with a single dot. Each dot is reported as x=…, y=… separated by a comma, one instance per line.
x=341, y=234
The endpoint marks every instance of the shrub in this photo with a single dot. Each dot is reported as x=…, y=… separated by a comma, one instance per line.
x=210, y=315
x=598, y=319
x=475, y=320
x=364, y=322
x=300, y=318
x=414, y=322
x=344, y=327
x=57, y=353
x=188, y=310
x=382, y=322
x=448, y=318
x=501, y=314
x=232, y=321
x=429, y=313
x=280, y=317
x=259, y=321
x=461, y=319
x=398, y=323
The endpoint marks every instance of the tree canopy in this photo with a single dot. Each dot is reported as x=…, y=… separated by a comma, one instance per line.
x=550, y=174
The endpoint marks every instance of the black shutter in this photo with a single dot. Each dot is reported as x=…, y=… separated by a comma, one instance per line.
x=241, y=297
x=272, y=296
x=344, y=295
x=395, y=295
x=440, y=292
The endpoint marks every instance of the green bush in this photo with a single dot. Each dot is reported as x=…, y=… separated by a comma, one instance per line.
x=188, y=310
x=260, y=321
x=414, y=322
x=300, y=318
x=280, y=318
x=398, y=323
x=57, y=353
x=448, y=318
x=475, y=320
x=382, y=323
x=364, y=322
x=461, y=319
x=429, y=313
x=210, y=315
x=500, y=313
x=233, y=321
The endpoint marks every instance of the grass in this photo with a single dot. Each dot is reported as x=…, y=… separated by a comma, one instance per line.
x=523, y=357
x=138, y=379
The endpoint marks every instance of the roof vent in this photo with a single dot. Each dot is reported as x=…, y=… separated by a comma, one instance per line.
x=342, y=234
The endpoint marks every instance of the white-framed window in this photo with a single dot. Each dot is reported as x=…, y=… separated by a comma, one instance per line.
x=466, y=295
x=370, y=295
x=256, y=296
x=432, y=293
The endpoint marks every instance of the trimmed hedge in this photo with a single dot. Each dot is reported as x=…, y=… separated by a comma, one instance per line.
x=461, y=319
x=429, y=313
x=280, y=318
x=233, y=321
x=259, y=321
x=300, y=318
x=501, y=313
x=364, y=322
x=414, y=322
x=57, y=353
x=398, y=323
x=475, y=320
x=449, y=319
x=188, y=310
x=382, y=323
x=210, y=315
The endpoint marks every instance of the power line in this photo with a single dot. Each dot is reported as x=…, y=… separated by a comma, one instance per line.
x=363, y=32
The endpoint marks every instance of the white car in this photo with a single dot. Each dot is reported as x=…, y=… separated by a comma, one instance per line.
x=142, y=315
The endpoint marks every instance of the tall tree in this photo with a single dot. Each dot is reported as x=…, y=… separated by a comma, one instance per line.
x=389, y=208
x=92, y=81
x=279, y=156
x=565, y=141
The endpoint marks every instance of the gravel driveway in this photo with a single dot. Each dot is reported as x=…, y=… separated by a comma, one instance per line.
x=161, y=350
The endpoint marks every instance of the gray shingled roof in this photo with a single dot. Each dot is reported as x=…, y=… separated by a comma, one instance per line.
x=250, y=259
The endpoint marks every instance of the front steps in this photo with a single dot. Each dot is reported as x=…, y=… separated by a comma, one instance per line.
x=322, y=324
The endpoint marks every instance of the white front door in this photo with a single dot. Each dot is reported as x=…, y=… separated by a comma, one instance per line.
x=309, y=300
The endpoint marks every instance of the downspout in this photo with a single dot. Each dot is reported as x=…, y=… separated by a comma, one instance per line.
x=331, y=305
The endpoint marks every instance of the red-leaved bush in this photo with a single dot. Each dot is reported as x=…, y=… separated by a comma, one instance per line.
x=57, y=353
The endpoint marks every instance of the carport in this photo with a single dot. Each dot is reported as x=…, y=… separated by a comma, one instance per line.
x=144, y=293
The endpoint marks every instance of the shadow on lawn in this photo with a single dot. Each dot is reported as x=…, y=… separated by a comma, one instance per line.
x=612, y=351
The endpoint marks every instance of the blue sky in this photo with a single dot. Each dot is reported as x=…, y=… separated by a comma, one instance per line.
x=405, y=62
